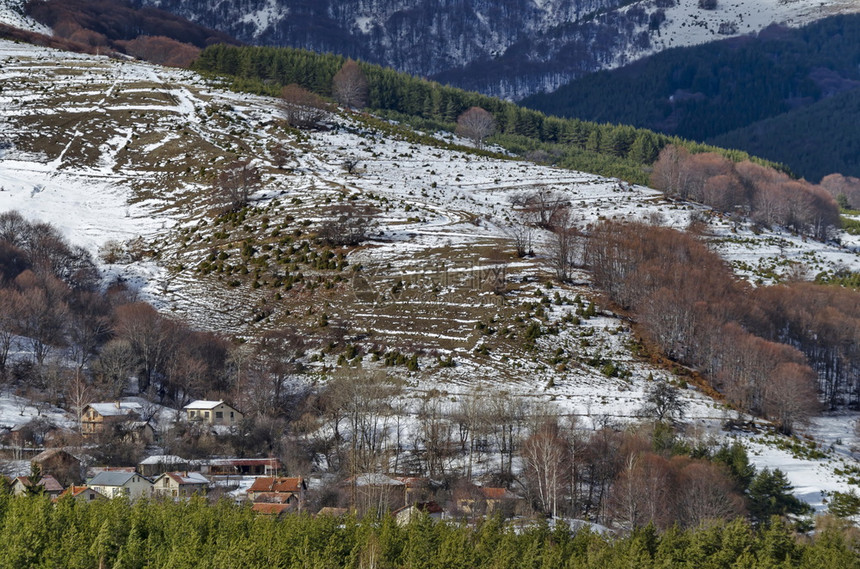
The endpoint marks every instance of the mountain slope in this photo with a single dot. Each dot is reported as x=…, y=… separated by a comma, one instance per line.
x=133, y=150
x=706, y=91
x=508, y=50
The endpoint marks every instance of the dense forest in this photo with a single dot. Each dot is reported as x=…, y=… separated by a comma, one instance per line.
x=707, y=91
x=77, y=535
x=815, y=140
x=611, y=150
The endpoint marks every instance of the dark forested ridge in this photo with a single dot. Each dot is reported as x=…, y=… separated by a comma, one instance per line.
x=77, y=535
x=816, y=140
x=706, y=91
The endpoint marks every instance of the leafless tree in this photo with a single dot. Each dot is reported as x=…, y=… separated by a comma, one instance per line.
x=705, y=494
x=642, y=493
x=521, y=234
x=476, y=124
x=350, y=86
x=301, y=108
x=42, y=321
x=79, y=394
x=545, y=454
x=10, y=303
x=236, y=182
x=542, y=207
x=434, y=435
x=148, y=334
x=565, y=248
x=116, y=361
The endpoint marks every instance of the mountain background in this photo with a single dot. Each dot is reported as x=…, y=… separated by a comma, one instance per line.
x=509, y=49
x=792, y=96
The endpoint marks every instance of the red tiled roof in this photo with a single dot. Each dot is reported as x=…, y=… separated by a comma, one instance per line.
x=273, y=497
x=270, y=509
x=491, y=493
x=272, y=484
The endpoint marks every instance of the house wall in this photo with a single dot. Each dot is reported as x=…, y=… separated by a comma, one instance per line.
x=222, y=414
x=137, y=487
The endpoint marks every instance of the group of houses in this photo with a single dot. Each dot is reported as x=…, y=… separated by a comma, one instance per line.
x=129, y=418
x=259, y=481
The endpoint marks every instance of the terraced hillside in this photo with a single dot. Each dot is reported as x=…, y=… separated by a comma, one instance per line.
x=125, y=158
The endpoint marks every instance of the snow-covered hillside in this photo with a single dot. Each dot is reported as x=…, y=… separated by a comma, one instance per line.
x=112, y=151
x=687, y=24
x=12, y=14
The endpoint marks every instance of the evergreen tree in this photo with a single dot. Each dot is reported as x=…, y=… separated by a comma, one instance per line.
x=770, y=495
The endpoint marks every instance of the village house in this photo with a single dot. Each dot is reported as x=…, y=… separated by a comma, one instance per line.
x=98, y=415
x=82, y=493
x=273, y=490
x=213, y=413
x=62, y=465
x=138, y=432
x=376, y=491
x=241, y=466
x=404, y=515
x=487, y=500
x=48, y=483
x=267, y=509
x=115, y=483
x=156, y=464
x=180, y=485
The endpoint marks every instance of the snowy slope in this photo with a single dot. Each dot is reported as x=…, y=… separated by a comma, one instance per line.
x=686, y=24
x=12, y=14
x=120, y=150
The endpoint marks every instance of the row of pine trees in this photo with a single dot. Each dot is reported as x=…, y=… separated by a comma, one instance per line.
x=34, y=532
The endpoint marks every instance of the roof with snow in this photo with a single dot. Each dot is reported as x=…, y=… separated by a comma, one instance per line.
x=52, y=453
x=164, y=459
x=376, y=479
x=203, y=404
x=117, y=408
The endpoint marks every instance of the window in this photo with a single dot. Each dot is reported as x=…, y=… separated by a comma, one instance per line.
x=219, y=415
x=206, y=414
x=231, y=416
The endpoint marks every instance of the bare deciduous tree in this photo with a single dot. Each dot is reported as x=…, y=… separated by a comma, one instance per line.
x=301, y=108
x=565, y=248
x=350, y=86
x=236, y=182
x=476, y=124
x=542, y=207
x=546, y=454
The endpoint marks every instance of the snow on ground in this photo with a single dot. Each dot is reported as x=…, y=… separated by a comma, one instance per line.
x=116, y=150
x=686, y=24
x=12, y=14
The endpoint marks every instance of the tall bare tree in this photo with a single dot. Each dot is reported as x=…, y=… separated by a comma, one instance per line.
x=476, y=124
x=350, y=86
x=301, y=108
x=236, y=182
